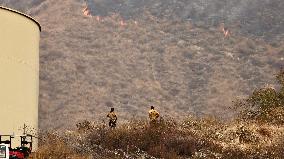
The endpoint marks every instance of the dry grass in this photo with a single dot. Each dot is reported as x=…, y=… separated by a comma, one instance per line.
x=195, y=138
x=183, y=67
x=54, y=146
x=88, y=66
x=255, y=137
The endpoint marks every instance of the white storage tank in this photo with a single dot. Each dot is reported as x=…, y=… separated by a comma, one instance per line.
x=19, y=73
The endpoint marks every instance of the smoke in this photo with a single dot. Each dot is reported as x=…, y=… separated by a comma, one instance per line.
x=22, y=6
x=262, y=18
x=255, y=17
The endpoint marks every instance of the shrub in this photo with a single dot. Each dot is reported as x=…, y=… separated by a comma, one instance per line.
x=54, y=146
x=254, y=136
x=265, y=104
x=192, y=138
x=163, y=140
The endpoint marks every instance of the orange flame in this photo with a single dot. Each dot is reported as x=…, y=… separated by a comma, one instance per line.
x=122, y=23
x=225, y=32
x=98, y=18
x=87, y=12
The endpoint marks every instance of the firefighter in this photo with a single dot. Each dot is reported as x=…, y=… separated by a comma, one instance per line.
x=112, y=118
x=153, y=115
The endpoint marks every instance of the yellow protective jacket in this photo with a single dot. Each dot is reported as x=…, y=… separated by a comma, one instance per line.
x=153, y=114
x=112, y=116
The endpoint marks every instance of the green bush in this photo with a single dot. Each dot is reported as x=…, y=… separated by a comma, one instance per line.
x=265, y=104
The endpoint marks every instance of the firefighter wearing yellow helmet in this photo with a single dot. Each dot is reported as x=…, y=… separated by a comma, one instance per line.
x=112, y=118
x=153, y=115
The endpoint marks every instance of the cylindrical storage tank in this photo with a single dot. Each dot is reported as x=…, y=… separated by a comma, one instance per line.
x=19, y=74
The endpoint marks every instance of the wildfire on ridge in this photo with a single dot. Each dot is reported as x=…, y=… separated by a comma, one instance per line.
x=114, y=17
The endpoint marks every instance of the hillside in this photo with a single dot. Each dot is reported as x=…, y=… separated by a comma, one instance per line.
x=257, y=132
x=181, y=66
x=262, y=18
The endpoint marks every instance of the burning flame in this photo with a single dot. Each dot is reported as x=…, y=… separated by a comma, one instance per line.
x=115, y=17
x=122, y=23
x=98, y=18
x=86, y=12
x=225, y=32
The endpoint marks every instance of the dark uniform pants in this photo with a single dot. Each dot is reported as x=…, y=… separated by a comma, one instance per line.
x=112, y=123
